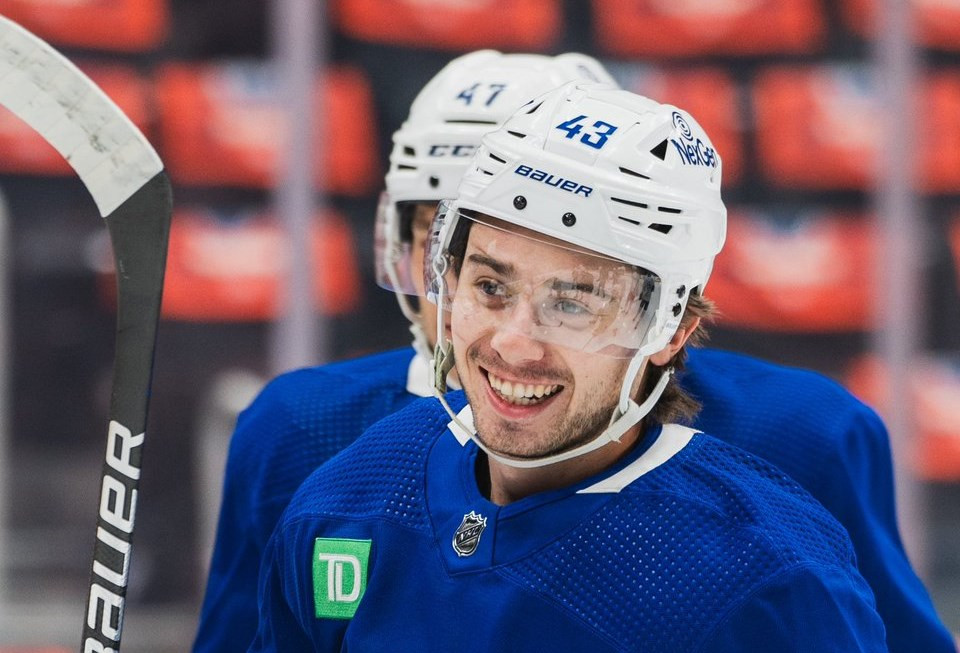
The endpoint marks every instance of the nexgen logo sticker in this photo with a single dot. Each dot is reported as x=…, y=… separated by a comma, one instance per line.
x=339, y=576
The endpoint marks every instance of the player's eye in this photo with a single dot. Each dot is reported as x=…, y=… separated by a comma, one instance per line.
x=570, y=307
x=491, y=292
x=491, y=288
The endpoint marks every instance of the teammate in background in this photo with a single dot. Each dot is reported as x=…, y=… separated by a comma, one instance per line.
x=831, y=443
x=304, y=417
x=556, y=506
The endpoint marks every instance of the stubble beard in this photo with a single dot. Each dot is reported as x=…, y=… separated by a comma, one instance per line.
x=562, y=433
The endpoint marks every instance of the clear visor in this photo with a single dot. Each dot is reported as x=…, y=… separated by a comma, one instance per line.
x=492, y=275
x=391, y=255
x=400, y=234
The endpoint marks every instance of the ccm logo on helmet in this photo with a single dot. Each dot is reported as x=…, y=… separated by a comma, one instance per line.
x=452, y=150
x=550, y=180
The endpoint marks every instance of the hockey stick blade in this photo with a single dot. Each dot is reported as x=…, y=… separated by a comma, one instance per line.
x=132, y=192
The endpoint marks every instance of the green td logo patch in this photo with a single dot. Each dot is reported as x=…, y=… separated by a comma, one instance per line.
x=339, y=576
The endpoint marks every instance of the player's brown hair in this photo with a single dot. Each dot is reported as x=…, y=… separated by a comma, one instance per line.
x=676, y=404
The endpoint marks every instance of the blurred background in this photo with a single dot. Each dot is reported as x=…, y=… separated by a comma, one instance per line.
x=838, y=122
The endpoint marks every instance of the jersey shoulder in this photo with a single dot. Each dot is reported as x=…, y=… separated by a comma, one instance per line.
x=668, y=557
x=383, y=473
x=800, y=420
x=303, y=418
x=744, y=492
x=321, y=401
x=786, y=390
x=387, y=363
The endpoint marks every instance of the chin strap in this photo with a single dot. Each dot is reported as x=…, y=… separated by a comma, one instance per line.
x=442, y=364
x=622, y=421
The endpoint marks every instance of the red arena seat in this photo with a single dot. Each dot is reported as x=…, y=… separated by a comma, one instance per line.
x=830, y=255
x=113, y=25
x=222, y=125
x=452, y=24
x=645, y=28
x=937, y=21
x=935, y=393
x=820, y=128
x=231, y=268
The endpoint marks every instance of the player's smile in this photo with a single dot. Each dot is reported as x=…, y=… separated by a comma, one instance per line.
x=518, y=399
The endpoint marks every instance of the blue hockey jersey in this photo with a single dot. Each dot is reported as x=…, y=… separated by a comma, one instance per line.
x=836, y=448
x=687, y=544
x=298, y=421
x=800, y=421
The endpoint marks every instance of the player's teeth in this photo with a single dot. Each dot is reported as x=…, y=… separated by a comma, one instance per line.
x=520, y=393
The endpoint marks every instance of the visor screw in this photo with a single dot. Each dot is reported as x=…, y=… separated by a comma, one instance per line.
x=520, y=202
x=569, y=219
x=434, y=181
x=676, y=310
x=681, y=291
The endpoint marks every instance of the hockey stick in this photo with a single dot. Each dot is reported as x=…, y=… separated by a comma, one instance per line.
x=132, y=192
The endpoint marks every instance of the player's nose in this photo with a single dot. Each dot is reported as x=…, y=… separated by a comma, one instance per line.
x=512, y=339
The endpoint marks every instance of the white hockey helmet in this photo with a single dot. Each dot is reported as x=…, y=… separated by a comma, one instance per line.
x=469, y=97
x=607, y=171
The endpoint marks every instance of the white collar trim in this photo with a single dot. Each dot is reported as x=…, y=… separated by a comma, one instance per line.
x=673, y=438
x=464, y=419
x=418, y=376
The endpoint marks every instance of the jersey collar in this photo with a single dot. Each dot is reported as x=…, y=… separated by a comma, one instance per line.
x=418, y=376
x=512, y=532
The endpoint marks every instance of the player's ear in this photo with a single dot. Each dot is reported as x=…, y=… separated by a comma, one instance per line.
x=665, y=355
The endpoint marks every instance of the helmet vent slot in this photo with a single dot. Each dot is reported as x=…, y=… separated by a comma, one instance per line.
x=640, y=205
x=660, y=151
x=409, y=151
x=516, y=134
x=403, y=166
x=471, y=122
x=496, y=158
x=486, y=172
x=633, y=173
x=655, y=226
x=534, y=108
x=669, y=209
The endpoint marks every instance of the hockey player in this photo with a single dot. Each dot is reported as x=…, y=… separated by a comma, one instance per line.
x=554, y=507
x=832, y=444
x=304, y=417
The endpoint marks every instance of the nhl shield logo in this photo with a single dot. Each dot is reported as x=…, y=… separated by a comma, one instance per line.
x=467, y=537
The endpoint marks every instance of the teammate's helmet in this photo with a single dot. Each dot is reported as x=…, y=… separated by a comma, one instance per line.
x=611, y=172
x=468, y=98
